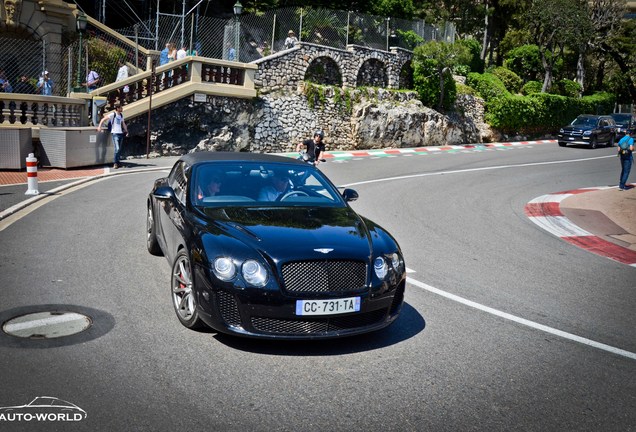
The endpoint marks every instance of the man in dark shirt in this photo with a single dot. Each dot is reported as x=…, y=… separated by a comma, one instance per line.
x=24, y=86
x=315, y=147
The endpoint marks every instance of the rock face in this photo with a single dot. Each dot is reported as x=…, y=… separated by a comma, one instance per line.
x=275, y=122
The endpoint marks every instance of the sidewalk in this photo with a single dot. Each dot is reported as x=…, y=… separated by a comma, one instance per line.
x=600, y=220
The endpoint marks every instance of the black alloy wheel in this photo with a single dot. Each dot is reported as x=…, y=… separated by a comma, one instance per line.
x=593, y=142
x=151, y=234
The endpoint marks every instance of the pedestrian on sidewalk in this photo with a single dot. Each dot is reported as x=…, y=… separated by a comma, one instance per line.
x=118, y=129
x=625, y=153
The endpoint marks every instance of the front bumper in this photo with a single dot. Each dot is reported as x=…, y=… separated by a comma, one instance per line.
x=271, y=315
x=585, y=140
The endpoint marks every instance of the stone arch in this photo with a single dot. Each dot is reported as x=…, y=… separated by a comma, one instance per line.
x=372, y=73
x=324, y=70
x=406, y=76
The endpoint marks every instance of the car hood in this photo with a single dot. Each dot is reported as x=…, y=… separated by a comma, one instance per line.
x=577, y=128
x=303, y=232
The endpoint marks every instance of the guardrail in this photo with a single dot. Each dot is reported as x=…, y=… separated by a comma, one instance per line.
x=177, y=80
x=169, y=83
x=23, y=110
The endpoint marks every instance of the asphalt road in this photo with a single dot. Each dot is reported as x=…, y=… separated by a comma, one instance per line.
x=464, y=355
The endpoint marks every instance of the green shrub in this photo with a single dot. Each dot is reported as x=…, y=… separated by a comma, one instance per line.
x=525, y=61
x=488, y=86
x=566, y=87
x=542, y=112
x=476, y=64
x=531, y=87
x=463, y=89
x=510, y=79
x=103, y=58
x=426, y=84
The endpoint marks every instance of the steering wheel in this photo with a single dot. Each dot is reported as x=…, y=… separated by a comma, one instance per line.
x=293, y=193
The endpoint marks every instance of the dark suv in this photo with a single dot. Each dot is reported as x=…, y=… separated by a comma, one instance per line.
x=589, y=130
x=625, y=123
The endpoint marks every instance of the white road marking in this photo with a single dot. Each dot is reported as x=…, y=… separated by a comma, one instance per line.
x=473, y=170
x=523, y=321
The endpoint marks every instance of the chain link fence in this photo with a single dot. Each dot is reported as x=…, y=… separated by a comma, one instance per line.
x=252, y=36
x=29, y=58
x=245, y=38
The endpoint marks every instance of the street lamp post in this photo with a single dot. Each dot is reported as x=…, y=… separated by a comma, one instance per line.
x=238, y=9
x=80, y=24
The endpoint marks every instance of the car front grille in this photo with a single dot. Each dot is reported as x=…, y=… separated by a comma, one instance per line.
x=317, y=326
x=324, y=276
x=228, y=308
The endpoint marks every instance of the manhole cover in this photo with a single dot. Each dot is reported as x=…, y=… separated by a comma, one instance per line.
x=47, y=325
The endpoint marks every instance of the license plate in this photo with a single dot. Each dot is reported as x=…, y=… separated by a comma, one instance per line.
x=571, y=138
x=328, y=307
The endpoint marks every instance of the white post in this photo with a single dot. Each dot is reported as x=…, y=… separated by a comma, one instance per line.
x=32, y=175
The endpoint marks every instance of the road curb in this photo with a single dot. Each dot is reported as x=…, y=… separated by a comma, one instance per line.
x=545, y=211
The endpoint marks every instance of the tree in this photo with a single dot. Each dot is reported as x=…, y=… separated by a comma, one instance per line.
x=393, y=8
x=555, y=24
x=622, y=49
x=605, y=21
x=442, y=56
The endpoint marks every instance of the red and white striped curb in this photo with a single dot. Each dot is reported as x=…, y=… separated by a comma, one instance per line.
x=545, y=211
x=428, y=149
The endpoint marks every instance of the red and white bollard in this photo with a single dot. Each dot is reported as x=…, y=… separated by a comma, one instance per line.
x=32, y=175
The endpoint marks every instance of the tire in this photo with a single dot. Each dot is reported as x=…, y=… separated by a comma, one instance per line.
x=151, y=234
x=610, y=143
x=593, y=143
x=562, y=144
x=182, y=292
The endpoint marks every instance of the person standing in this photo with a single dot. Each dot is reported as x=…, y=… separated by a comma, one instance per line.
x=291, y=40
x=625, y=153
x=163, y=57
x=181, y=53
x=92, y=80
x=122, y=74
x=45, y=84
x=24, y=86
x=172, y=52
x=315, y=147
x=118, y=129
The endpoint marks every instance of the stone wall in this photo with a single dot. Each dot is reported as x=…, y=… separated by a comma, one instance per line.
x=275, y=122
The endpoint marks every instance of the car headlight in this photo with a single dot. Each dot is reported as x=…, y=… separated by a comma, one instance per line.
x=224, y=268
x=254, y=273
x=587, y=133
x=381, y=268
x=561, y=131
x=395, y=261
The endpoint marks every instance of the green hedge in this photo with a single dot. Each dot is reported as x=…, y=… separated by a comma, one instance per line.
x=531, y=87
x=541, y=112
x=488, y=86
x=511, y=80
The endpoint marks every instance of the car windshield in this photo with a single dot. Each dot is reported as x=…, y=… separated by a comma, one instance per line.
x=223, y=184
x=584, y=121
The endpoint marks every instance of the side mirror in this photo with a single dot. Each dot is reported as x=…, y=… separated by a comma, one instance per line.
x=350, y=195
x=163, y=193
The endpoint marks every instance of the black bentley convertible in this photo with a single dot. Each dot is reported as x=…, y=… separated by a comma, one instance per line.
x=266, y=246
